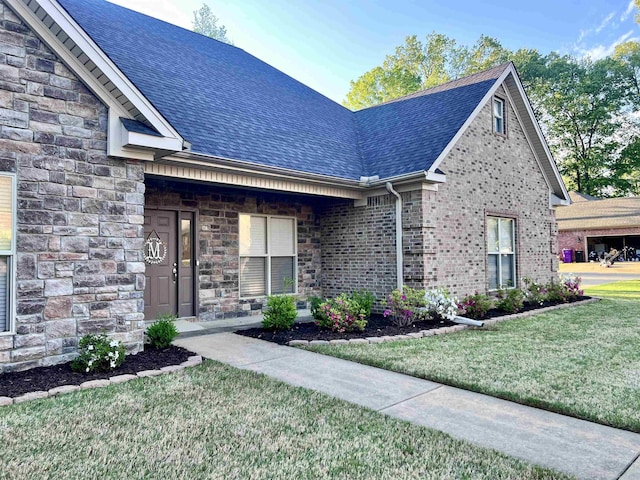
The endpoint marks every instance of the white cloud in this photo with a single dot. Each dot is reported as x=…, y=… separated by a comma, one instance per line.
x=166, y=10
x=628, y=11
x=606, y=21
x=602, y=51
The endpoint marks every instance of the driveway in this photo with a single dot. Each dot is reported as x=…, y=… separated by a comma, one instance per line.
x=593, y=274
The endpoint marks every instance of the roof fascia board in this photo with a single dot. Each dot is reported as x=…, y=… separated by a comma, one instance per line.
x=472, y=117
x=96, y=55
x=555, y=201
x=198, y=160
x=186, y=172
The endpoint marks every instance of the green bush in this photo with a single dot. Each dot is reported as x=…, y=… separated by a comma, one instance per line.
x=280, y=313
x=534, y=292
x=475, y=306
x=343, y=314
x=365, y=299
x=162, y=332
x=406, y=306
x=314, y=307
x=98, y=354
x=510, y=301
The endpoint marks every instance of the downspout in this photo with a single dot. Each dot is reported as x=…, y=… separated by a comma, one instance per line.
x=399, y=259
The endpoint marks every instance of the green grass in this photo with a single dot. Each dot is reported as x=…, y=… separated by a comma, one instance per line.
x=625, y=290
x=583, y=361
x=215, y=421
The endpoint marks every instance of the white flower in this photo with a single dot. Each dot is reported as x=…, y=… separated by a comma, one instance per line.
x=89, y=347
x=114, y=343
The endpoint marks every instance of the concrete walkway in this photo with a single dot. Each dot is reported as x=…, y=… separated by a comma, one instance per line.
x=584, y=449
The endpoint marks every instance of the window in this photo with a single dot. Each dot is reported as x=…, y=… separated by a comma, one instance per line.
x=498, y=116
x=501, y=252
x=7, y=247
x=268, y=263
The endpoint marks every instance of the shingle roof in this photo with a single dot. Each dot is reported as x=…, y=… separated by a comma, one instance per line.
x=596, y=214
x=229, y=104
x=581, y=197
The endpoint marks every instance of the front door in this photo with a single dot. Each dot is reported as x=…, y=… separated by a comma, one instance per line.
x=169, y=258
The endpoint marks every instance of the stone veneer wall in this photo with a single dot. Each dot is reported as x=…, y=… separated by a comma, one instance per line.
x=444, y=240
x=80, y=214
x=217, y=234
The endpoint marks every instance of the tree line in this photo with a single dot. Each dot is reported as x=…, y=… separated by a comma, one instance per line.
x=588, y=109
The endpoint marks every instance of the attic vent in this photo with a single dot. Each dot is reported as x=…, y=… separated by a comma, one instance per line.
x=379, y=201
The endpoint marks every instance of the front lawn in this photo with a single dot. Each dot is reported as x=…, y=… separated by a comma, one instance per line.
x=624, y=290
x=582, y=361
x=215, y=421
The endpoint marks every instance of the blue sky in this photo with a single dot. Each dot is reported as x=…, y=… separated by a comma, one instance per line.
x=327, y=43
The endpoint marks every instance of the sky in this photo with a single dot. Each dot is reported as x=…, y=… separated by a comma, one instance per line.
x=327, y=43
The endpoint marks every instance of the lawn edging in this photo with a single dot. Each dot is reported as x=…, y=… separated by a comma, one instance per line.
x=192, y=361
x=438, y=331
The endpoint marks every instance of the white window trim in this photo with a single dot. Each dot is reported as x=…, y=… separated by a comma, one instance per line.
x=11, y=254
x=499, y=255
x=268, y=256
x=494, y=116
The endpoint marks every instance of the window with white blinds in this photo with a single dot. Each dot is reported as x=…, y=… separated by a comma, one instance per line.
x=267, y=255
x=7, y=247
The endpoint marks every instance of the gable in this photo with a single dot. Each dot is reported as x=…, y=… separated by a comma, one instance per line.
x=202, y=104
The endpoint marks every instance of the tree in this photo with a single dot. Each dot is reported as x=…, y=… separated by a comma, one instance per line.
x=206, y=23
x=581, y=101
x=416, y=65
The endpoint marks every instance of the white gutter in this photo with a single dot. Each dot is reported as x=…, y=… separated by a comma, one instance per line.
x=399, y=259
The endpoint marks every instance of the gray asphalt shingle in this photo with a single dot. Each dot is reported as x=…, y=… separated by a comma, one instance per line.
x=229, y=104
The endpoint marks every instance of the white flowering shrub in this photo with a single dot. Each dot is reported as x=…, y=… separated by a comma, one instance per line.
x=98, y=354
x=440, y=304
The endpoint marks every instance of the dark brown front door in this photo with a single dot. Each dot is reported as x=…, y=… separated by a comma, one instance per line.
x=169, y=258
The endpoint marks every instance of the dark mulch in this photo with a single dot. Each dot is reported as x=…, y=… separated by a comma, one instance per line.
x=378, y=326
x=494, y=312
x=14, y=384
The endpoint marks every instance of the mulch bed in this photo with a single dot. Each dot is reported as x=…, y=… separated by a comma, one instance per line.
x=378, y=326
x=14, y=384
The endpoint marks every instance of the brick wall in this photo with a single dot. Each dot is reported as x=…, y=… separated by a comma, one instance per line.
x=444, y=240
x=217, y=233
x=576, y=239
x=80, y=214
x=497, y=175
x=358, y=246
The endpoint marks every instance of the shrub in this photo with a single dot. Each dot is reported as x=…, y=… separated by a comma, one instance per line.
x=568, y=288
x=280, y=313
x=475, y=306
x=343, y=314
x=162, y=332
x=440, y=304
x=366, y=300
x=404, y=307
x=534, y=292
x=98, y=354
x=571, y=284
x=510, y=301
x=314, y=306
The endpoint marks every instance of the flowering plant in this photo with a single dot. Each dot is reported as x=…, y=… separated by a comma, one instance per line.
x=475, y=306
x=405, y=307
x=98, y=354
x=342, y=314
x=534, y=292
x=571, y=284
x=440, y=304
